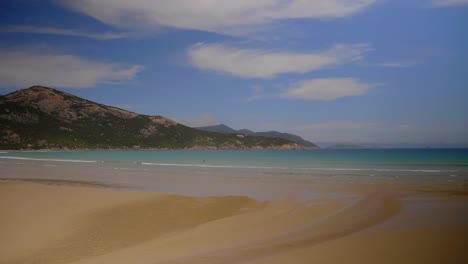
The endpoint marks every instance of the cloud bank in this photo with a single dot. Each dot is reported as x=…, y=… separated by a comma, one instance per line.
x=222, y=16
x=25, y=68
x=333, y=126
x=264, y=64
x=377, y=132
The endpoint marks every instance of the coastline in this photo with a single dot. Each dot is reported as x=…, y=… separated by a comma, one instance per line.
x=283, y=147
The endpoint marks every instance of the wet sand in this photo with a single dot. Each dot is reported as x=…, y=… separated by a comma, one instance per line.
x=84, y=222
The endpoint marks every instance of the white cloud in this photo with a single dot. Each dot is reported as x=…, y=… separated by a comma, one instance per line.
x=327, y=89
x=396, y=64
x=61, y=31
x=449, y=2
x=222, y=16
x=203, y=120
x=257, y=63
x=25, y=68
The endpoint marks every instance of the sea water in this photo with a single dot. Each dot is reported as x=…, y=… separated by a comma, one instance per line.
x=415, y=165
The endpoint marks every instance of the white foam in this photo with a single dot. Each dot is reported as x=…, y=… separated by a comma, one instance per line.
x=36, y=159
x=282, y=168
x=210, y=166
x=129, y=169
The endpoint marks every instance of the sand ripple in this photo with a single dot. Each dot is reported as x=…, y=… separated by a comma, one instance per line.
x=60, y=224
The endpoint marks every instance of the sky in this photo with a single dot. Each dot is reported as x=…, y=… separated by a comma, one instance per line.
x=332, y=71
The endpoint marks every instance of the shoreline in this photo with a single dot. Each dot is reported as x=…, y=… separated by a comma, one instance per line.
x=212, y=149
x=150, y=149
x=187, y=181
x=287, y=147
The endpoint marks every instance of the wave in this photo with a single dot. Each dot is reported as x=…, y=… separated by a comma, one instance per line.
x=245, y=167
x=289, y=168
x=37, y=159
x=208, y=166
x=129, y=169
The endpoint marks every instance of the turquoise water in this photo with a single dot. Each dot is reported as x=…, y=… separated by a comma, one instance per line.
x=406, y=163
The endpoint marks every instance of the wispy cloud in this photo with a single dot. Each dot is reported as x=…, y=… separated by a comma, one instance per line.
x=327, y=89
x=333, y=126
x=442, y=3
x=257, y=93
x=203, y=120
x=61, y=32
x=222, y=16
x=374, y=132
x=257, y=63
x=338, y=131
x=25, y=68
x=396, y=64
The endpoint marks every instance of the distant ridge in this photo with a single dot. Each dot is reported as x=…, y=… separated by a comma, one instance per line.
x=222, y=128
x=44, y=118
x=347, y=146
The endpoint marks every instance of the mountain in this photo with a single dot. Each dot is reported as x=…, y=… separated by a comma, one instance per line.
x=44, y=118
x=222, y=128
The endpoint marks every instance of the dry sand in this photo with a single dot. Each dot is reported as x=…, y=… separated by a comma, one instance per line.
x=48, y=222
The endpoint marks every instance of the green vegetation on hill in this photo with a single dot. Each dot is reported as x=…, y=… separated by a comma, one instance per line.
x=271, y=134
x=45, y=118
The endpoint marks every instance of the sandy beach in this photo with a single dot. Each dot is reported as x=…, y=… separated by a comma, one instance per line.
x=233, y=132
x=53, y=221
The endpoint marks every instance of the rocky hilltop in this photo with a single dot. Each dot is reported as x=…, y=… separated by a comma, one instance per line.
x=44, y=118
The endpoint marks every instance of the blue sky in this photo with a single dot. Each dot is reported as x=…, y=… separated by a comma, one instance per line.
x=331, y=71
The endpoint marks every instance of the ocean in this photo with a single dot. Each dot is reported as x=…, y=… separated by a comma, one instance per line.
x=366, y=165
